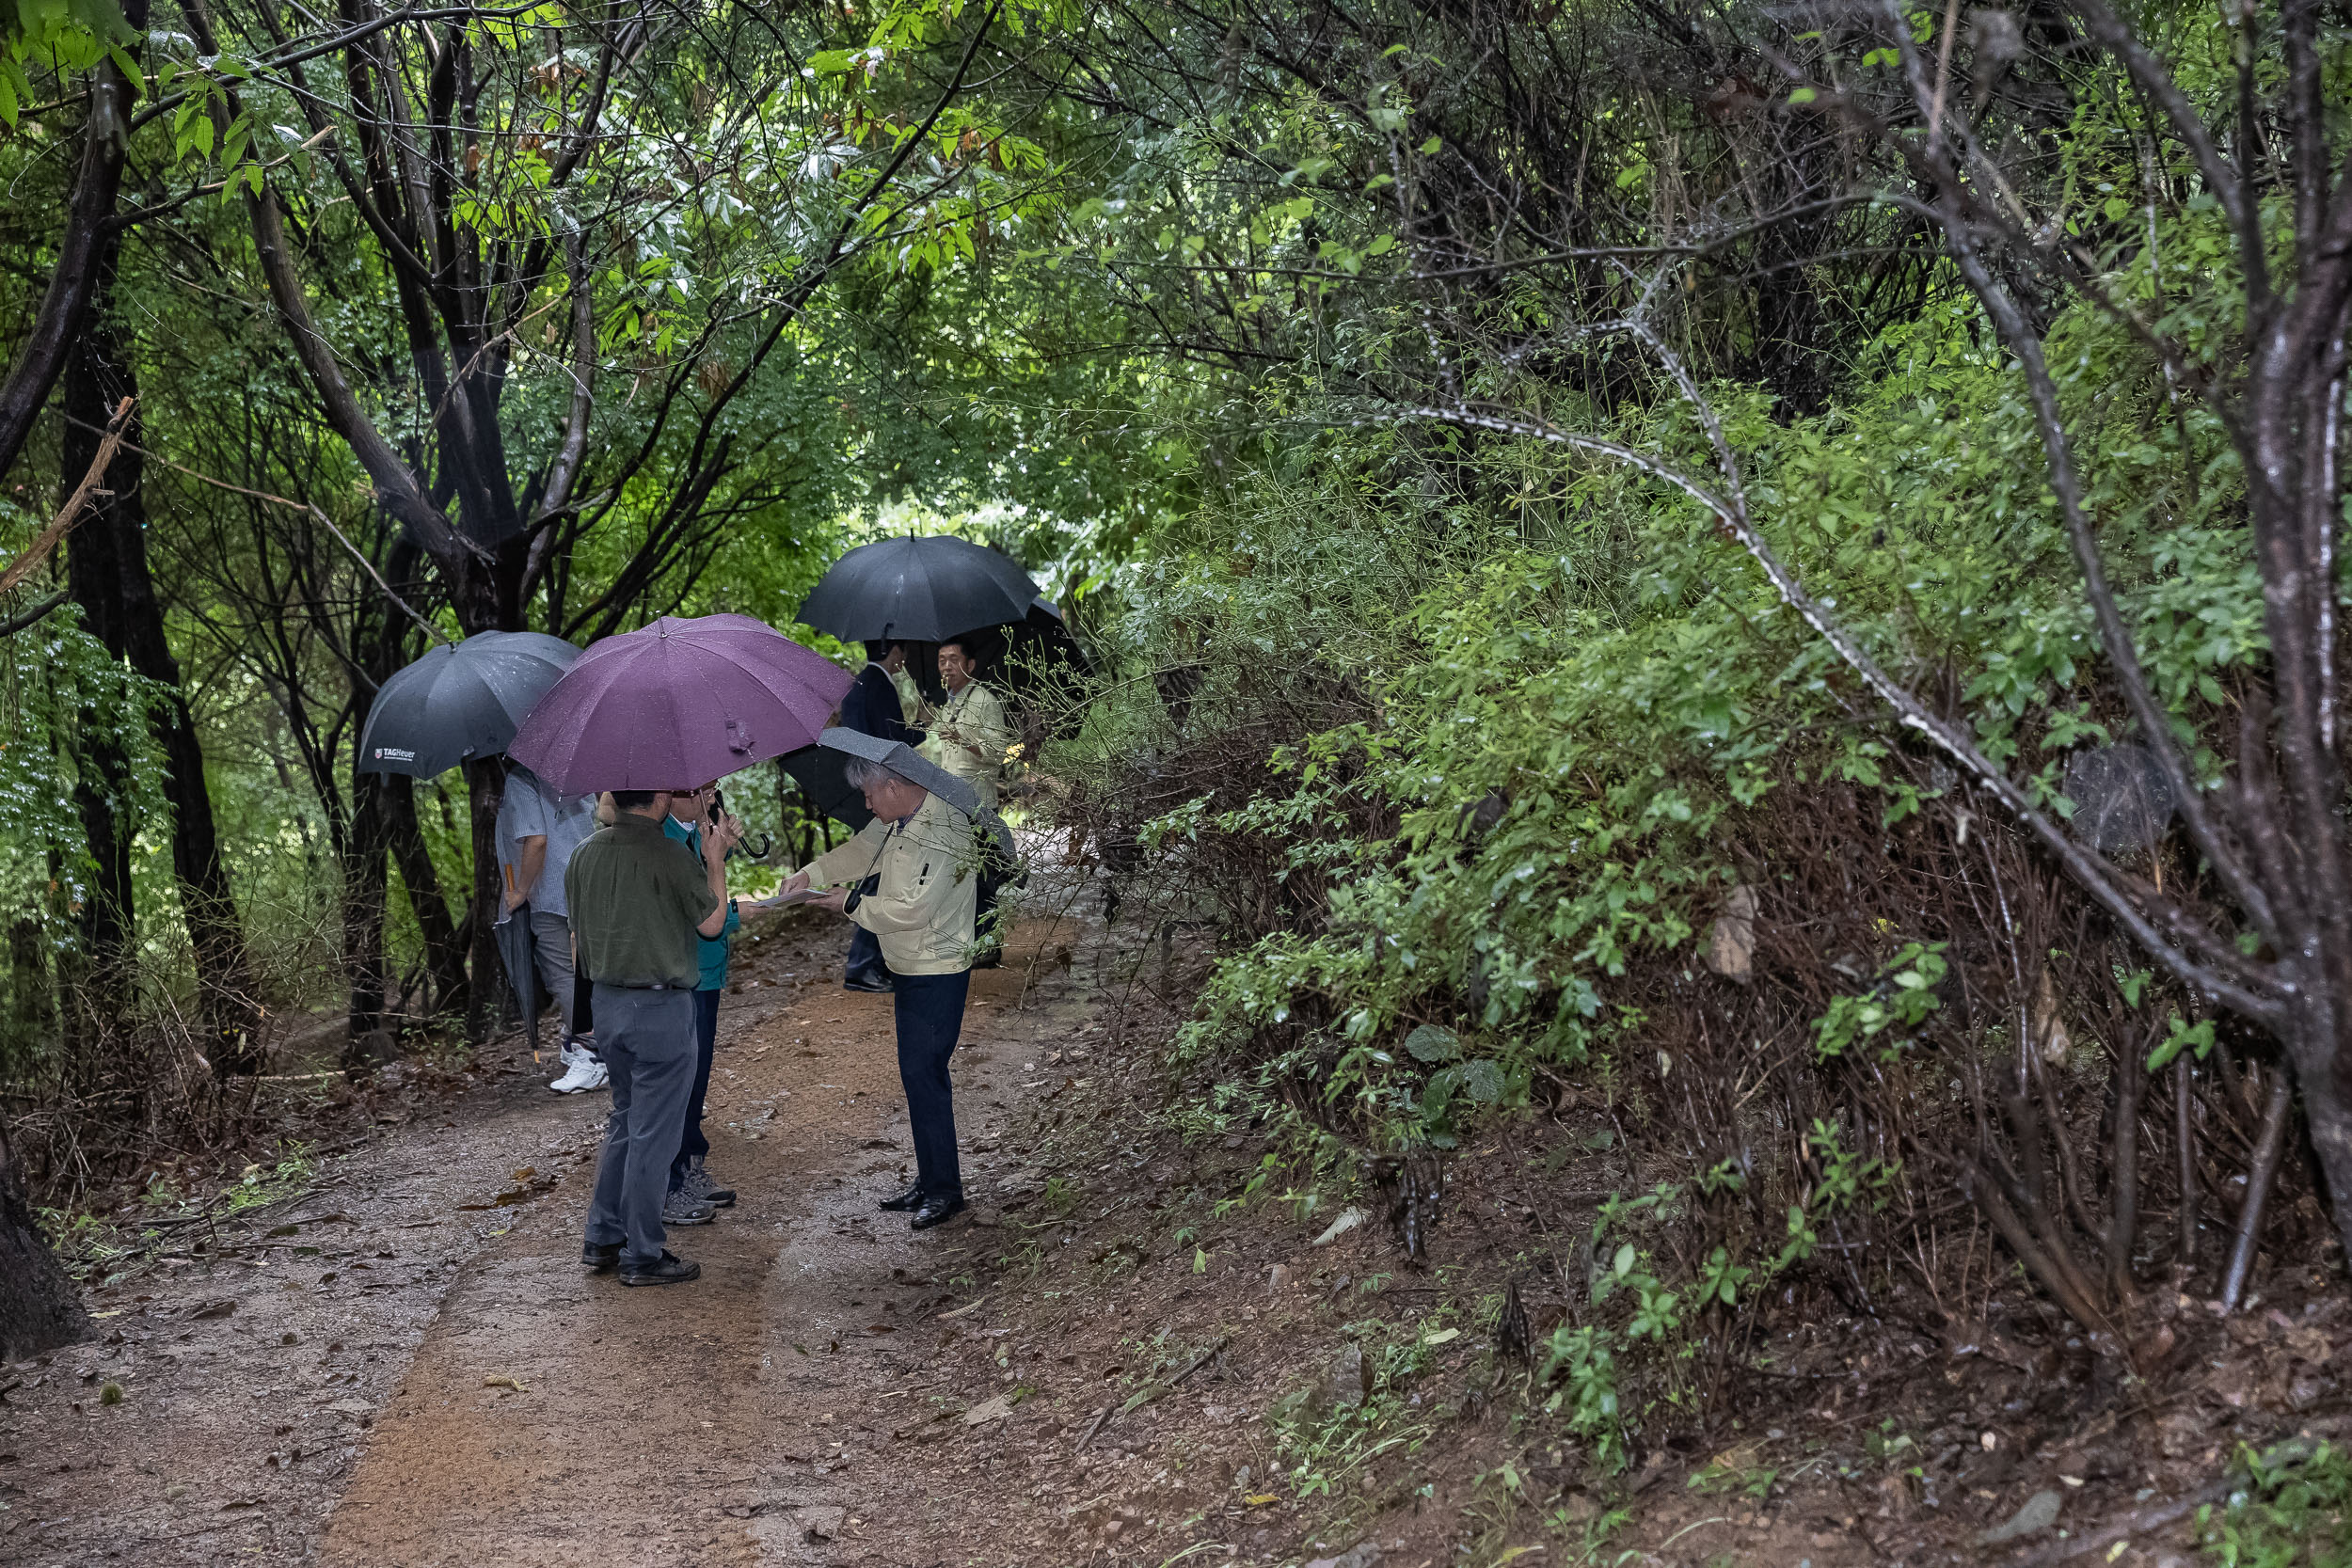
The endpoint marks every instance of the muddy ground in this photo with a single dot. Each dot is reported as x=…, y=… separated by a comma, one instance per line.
x=1127, y=1356
x=406, y=1364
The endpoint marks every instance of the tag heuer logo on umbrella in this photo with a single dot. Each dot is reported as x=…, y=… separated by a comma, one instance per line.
x=393, y=754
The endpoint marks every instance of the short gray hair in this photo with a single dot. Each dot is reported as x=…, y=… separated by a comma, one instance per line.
x=861, y=772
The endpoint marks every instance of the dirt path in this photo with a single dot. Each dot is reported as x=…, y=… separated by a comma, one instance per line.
x=1118, y=1361
x=346, y=1391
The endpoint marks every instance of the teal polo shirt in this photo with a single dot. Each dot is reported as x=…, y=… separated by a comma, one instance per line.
x=710, y=952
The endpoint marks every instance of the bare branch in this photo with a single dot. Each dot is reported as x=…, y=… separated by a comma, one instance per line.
x=47, y=540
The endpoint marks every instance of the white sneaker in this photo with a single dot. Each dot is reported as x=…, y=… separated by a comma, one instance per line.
x=584, y=1070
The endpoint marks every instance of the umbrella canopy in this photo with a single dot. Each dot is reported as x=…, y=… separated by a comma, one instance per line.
x=460, y=701
x=920, y=590
x=900, y=758
x=678, y=703
x=820, y=768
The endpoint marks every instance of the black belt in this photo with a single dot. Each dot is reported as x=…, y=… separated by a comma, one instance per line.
x=624, y=985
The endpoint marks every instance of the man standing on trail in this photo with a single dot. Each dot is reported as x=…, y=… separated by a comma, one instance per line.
x=907, y=876
x=973, y=734
x=537, y=831
x=873, y=707
x=973, y=740
x=638, y=903
x=693, y=1194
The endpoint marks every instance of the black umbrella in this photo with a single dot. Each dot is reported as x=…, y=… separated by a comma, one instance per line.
x=919, y=590
x=819, y=770
x=460, y=701
x=822, y=770
x=516, y=947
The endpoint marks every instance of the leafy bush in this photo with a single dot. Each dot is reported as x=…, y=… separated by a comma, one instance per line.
x=1556, y=763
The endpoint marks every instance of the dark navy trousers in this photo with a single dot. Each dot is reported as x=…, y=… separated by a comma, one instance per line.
x=929, y=1009
x=693, y=1145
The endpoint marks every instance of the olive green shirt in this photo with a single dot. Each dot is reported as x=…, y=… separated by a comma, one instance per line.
x=637, y=895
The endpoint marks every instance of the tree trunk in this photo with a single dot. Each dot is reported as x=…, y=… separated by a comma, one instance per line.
x=31, y=1017
x=40, y=1307
x=108, y=567
x=58, y=321
x=2312, y=1048
x=99, y=985
x=364, y=887
x=485, y=780
x=444, y=948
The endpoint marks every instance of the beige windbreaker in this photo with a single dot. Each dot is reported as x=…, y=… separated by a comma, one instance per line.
x=921, y=913
x=974, y=717
x=909, y=699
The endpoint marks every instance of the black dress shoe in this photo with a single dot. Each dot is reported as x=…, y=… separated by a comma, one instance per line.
x=936, y=1211
x=877, y=983
x=672, y=1270
x=600, y=1259
x=905, y=1202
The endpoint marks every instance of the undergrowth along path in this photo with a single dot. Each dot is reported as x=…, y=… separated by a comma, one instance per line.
x=1112, y=1363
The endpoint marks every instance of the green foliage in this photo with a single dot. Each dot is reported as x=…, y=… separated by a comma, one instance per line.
x=1901, y=1001
x=2181, y=1035
x=57, y=38
x=1324, y=1441
x=1624, y=694
x=1583, y=1362
x=2291, y=1510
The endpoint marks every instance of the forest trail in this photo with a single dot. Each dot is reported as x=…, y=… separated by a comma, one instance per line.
x=709, y=1423
x=1111, y=1363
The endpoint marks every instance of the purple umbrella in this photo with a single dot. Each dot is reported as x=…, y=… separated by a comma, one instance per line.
x=677, y=704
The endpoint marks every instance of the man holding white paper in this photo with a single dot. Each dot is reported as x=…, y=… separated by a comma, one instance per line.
x=911, y=876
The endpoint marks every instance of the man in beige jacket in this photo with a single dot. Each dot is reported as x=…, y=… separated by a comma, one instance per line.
x=973, y=734
x=911, y=876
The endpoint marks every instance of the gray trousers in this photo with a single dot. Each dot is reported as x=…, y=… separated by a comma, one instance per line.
x=647, y=1039
x=551, y=944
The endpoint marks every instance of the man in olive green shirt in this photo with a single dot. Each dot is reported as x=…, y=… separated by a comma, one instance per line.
x=638, y=902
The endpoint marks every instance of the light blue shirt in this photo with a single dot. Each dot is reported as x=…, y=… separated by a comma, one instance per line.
x=530, y=810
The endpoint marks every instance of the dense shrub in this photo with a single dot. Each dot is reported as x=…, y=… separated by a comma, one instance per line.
x=1566, y=815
